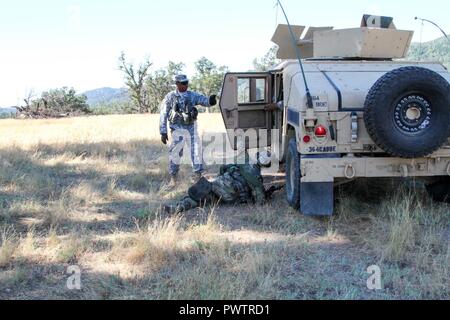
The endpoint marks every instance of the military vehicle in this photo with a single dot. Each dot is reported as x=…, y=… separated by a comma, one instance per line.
x=370, y=114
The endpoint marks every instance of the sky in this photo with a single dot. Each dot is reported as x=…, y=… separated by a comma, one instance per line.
x=76, y=43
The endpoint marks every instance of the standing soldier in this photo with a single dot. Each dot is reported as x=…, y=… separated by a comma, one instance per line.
x=179, y=108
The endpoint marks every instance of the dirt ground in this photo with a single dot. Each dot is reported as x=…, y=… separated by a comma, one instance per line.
x=87, y=192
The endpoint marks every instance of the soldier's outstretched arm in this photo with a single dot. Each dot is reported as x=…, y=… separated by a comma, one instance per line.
x=204, y=101
x=272, y=190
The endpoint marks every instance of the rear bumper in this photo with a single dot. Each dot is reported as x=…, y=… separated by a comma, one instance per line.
x=328, y=169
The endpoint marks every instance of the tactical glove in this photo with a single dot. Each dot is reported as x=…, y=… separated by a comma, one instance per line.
x=272, y=190
x=213, y=100
x=164, y=138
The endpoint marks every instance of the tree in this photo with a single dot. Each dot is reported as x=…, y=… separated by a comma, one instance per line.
x=29, y=98
x=55, y=103
x=148, y=89
x=268, y=61
x=436, y=50
x=135, y=81
x=64, y=101
x=208, y=78
x=160, y=83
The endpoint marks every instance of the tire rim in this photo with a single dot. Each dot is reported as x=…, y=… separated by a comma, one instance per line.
x=413, y=114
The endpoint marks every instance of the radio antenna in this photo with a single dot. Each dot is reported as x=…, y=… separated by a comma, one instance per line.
x=436, y=25
x=299, y=57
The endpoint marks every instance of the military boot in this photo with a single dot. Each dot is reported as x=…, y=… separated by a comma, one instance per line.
x=196, y=177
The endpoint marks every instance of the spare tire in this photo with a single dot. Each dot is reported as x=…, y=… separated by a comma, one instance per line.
x=407, y=112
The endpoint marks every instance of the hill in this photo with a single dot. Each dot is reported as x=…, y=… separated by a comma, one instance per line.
x=436, y=50
x=107, y=96
x=7, y=112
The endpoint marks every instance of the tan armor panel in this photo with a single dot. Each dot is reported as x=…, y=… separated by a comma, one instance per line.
x=372, y=43
x=377, y=38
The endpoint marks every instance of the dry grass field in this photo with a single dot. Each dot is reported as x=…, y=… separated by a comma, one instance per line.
x=87, y=192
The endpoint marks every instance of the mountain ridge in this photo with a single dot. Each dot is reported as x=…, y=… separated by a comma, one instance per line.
x=106, y=96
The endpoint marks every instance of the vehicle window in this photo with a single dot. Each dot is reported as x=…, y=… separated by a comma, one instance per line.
x=260, y=90
x=251, y=90
x=244, y=90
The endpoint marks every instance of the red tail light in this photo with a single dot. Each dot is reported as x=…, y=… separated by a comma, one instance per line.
x=306, y=139
x=321, y=132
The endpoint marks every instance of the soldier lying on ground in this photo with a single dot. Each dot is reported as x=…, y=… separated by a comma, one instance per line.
x=236, y=184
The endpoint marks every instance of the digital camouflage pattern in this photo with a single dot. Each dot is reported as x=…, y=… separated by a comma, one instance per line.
x=179, y=110
x=239, y=184
x=182, y=135
x=179, y=102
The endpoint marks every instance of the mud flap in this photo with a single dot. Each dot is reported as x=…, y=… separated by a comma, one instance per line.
x=317, y=198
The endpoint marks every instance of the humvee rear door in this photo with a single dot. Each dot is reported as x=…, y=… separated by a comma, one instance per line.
x=243, y=103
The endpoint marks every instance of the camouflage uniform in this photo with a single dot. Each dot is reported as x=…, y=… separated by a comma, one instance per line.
x=176, y=108
x=235, y=184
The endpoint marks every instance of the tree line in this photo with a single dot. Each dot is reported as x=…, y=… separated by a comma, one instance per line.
x=436, y=50
x=146, y=88
x=55, y=103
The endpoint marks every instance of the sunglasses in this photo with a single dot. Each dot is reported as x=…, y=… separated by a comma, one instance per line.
x=184, y=83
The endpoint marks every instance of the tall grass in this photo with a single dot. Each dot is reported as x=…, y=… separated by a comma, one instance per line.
x=8, y=246
x=409, y=235
x=88, y=192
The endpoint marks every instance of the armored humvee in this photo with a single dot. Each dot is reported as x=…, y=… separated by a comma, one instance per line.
x=374, y=114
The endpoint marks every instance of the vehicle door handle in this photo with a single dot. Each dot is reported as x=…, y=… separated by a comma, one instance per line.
x=230, y=111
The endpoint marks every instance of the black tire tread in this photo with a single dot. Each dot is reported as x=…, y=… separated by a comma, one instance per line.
x=383, y=84
x=293, y=155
